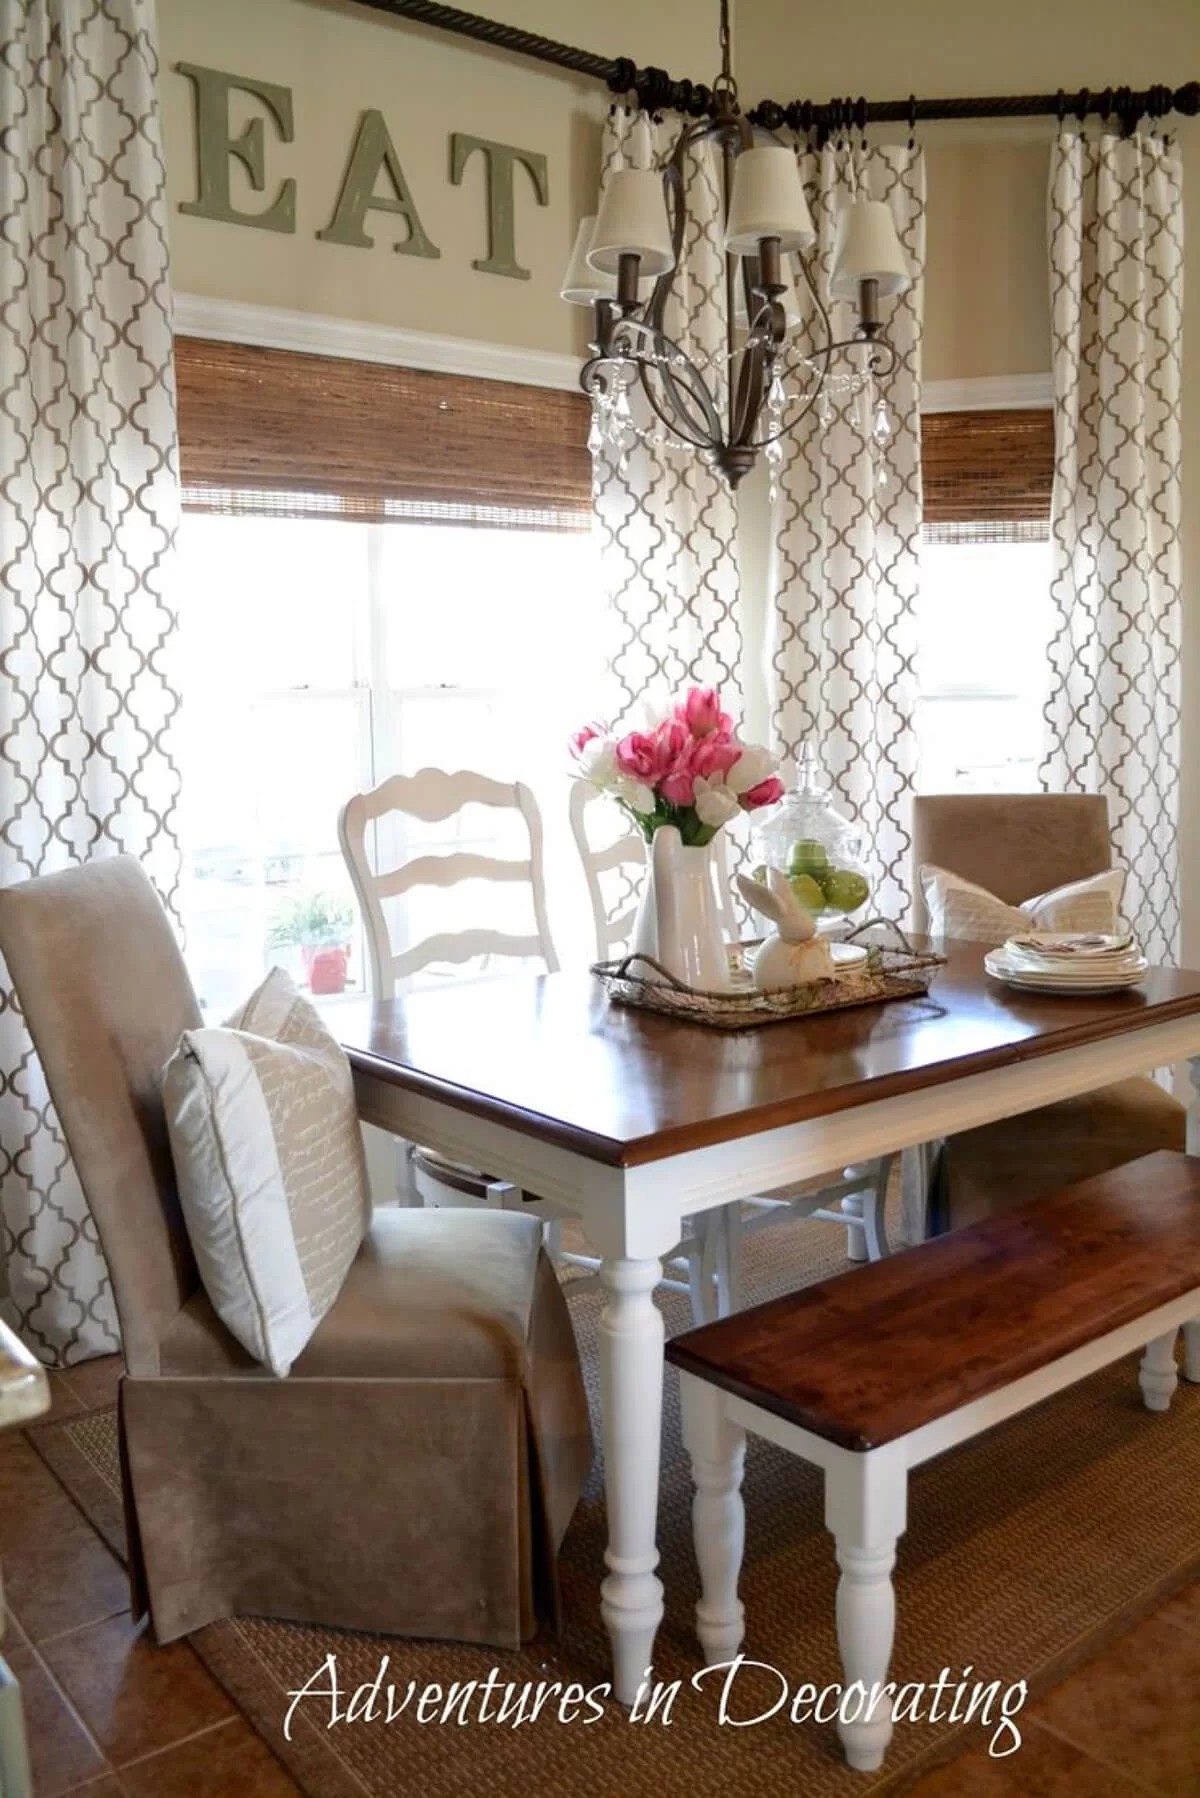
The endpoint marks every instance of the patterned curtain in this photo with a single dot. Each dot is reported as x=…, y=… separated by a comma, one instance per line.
x=88, y=501
x=667, y=522
x=1116, y=289
x=847, y=526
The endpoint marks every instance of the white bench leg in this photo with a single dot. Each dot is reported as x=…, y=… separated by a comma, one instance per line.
x=865, y=1510
x=1191, y=1351
x=1158, y=1375
x=718, y=1451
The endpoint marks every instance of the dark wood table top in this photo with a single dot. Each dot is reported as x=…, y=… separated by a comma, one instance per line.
x=912, y=1338
x=552, y=1056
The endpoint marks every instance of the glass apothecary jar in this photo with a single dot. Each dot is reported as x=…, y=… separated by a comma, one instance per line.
x=816, y=847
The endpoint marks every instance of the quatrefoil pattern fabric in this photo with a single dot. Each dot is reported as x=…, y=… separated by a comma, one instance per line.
x=842, y=618
x=1116, y=296
x=88, y=507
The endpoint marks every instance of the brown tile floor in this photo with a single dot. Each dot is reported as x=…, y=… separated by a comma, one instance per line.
x=112, y=1716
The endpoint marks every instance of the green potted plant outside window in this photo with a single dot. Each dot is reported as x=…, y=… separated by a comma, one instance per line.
x=319, y=925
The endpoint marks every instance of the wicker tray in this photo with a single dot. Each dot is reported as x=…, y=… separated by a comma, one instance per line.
x=888, y=973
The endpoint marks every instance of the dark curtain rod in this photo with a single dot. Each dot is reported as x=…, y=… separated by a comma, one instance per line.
x=657, y=91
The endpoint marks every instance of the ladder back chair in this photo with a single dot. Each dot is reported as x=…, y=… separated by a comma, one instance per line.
x=855, y=1197
x=435, y=796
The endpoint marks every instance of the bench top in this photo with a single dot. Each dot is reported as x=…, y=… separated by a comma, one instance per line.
x=870, y=1356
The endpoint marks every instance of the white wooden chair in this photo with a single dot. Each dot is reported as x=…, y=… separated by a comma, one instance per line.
x=434, y=796
x=856, y=1197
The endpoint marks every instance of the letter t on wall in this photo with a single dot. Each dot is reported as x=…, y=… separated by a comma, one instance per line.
x=501, y=159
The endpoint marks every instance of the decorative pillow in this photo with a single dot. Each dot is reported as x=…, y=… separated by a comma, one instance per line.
x=958, y=908
x=269, y=1161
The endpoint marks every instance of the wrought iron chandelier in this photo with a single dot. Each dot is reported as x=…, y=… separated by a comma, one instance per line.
x=748, y=397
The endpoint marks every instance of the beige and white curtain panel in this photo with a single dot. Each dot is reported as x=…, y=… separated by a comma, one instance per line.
x=88, y=498
x=845, y=568
x=1116, y=292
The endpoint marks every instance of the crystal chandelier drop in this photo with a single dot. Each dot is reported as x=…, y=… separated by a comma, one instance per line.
x=750, y=394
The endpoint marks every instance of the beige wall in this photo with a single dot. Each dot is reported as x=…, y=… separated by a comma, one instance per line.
x=340, y=59
x=986, y=293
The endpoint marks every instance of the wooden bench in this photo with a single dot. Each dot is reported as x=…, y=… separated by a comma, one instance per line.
x=868, y=1375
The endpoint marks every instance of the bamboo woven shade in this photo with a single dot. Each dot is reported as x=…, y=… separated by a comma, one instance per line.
x=987, y=474
x=289, y=435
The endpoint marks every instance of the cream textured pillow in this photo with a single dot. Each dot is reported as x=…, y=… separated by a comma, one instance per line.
x=957, y=908
x=269, y=1161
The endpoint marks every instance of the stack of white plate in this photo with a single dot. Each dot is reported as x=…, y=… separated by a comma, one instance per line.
x=1068, y=962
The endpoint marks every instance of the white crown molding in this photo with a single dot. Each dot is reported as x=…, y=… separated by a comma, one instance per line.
x=988, y=393
x=275, y=328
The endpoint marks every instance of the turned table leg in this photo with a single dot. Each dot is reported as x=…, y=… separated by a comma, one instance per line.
x=865, y=1509
x=717, y=1449
x=631, y=1386
x=1157, y=1374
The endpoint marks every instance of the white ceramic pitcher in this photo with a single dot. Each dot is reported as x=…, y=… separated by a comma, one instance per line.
x=678, y=921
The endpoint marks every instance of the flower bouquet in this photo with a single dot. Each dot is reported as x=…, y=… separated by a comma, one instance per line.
x=680, y=780
x=688, y=769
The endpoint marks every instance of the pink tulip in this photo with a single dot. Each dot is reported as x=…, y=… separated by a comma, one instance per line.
x=714, y=755
x=579, y=740
x=678, y=787
x=701, y=712
x=674, y=740
x=765, y=793
x=640, y=757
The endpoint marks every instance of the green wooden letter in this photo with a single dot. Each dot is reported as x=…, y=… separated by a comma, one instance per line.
x=501, y=159
x=215, y=147
x=373, y=149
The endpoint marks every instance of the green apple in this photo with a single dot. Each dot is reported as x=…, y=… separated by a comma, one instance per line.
x=844, y=890
x=808, y=857
x=808, y=892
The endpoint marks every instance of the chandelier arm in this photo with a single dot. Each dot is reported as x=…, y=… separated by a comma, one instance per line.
x=680, y=382
x=672, y=421
x=833, y=349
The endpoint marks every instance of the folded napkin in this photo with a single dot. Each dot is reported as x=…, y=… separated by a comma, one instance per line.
x=1070, y=946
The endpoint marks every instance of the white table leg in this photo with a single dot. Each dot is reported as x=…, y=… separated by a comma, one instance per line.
x=631, y=1384
x=1157, y=1374
x=865, y=1509
x=718, y=1452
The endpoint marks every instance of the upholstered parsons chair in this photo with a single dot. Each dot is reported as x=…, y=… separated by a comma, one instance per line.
x=1017, y=845
x=416, y=1471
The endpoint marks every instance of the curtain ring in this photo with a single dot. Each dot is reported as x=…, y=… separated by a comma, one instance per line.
x=912, y=121
x=1083, y=104
x=1060, y=107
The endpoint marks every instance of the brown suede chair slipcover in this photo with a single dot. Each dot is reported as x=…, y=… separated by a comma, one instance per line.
x=1017, y=845
x=417, y=1470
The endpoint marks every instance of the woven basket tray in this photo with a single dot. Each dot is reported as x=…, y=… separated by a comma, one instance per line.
x=888, y=973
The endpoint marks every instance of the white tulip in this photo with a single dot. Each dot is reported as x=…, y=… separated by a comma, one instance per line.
x=633, y=793
x=715, y=801
x=597, y=762
x=753, y=765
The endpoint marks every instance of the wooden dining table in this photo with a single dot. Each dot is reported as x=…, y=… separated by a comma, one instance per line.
x=632, y=1122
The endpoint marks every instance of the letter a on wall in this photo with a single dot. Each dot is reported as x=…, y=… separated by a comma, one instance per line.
x=372, y=151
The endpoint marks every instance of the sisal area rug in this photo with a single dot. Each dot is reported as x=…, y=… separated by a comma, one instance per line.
x=1025, y=1551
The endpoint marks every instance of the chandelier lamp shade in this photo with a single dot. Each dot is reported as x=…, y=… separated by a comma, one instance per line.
x=744, y=400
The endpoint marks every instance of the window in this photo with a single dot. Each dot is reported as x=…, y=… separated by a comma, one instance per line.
x=984, y=611
x=325, y=648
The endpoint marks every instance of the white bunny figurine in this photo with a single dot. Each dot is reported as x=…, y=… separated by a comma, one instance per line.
x=795, y=955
